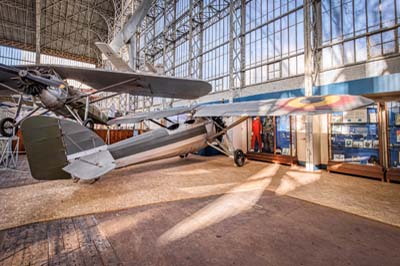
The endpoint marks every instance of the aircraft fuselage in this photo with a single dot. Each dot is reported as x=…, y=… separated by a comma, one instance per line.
x=162, y=143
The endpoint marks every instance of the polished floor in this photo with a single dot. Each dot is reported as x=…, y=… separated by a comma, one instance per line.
x=200, y=211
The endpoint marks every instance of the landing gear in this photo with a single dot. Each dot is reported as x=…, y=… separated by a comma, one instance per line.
x=94, y=180
x=239, y=157
x=7, y=126
x=183, y=156
x=89, y=124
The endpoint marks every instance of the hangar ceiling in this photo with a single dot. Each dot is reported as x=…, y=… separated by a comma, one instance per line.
x=68, y=28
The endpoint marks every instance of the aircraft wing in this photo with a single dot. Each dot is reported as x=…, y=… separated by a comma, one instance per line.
x=131, y=119
x=114, y=58
x=313, y=105
x=135, y=83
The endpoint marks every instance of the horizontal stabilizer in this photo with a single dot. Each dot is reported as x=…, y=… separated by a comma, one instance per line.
x=114, y=58
x=57, y=148
x=91, y=166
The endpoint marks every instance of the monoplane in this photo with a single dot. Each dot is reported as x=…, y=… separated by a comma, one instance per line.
x=70, y=150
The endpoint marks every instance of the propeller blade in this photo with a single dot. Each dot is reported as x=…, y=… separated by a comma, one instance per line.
x=27, y=75
x=8, y=69
x=44, y=81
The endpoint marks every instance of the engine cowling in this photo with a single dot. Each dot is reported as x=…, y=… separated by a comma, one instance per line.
x=53, y=98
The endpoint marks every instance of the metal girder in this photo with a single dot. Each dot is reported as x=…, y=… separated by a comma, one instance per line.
x=53, y=37
x=236, y=47
x=38, y=18
x=97, y=8
x=17, y=5
x=52, y=52
x=59, y=18
x=195, y=39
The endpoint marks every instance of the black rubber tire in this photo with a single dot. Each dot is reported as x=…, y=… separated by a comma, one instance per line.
x=183, y=156
x=89, y=123
x=239, y=157
x=7, y=132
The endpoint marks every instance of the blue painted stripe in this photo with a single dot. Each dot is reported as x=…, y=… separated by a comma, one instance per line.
x=380, y=84
x=272, y=95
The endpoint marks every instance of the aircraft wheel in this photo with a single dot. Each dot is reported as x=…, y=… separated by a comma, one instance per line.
x=94, y=180
x=239, y=158
x=89, y=124
x=182, y=156
x=7, y=126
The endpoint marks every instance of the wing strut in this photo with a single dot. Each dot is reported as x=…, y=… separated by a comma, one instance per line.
x=234, y=124
x=227, y=146
x=102, y=89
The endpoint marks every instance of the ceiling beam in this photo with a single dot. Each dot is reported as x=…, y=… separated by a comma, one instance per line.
x=17, y=5
x=48, y=51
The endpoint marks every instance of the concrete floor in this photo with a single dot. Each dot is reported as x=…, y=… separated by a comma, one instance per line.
x=201, y=211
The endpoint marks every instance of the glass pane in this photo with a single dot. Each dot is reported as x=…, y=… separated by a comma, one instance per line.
x=361, y=50
x=349, y=52
x=282, y=135
x=354, y=136
x=393, y=113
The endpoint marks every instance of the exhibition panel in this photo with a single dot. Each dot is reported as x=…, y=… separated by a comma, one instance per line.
x=354, y=137
x=355, y=143
x=393, y=134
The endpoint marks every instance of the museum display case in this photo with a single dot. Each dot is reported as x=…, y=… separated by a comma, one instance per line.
x=272, y=139
x=393, y=140
x=355, y=143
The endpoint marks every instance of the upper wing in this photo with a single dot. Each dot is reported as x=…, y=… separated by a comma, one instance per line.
x=135, y=83
x=292, y=106
x=131, y=119
x=143, y=85
x=8, y=86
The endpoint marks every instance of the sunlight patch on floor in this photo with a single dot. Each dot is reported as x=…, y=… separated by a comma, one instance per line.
x=292, y=180
x=235, y=201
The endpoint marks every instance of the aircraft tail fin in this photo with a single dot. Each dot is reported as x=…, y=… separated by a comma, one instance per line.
x=114, y=58
x=57, y=149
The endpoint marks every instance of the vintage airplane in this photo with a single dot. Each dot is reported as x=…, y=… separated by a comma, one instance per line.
x=73, y=151
x=48, y=84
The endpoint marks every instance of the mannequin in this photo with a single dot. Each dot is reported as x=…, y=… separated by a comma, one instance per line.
x=256, y=133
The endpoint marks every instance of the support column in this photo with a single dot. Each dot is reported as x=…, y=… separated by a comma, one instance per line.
x=312, y=41
x=38, y=17
x=236, y=47
x=308, y=84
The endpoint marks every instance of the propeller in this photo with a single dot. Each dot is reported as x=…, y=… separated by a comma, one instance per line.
x=31, y=81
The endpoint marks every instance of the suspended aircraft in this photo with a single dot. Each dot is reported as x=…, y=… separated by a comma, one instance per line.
x=73, y=151
x=48, y=84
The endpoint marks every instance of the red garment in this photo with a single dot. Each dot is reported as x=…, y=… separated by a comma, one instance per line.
x=256, y=129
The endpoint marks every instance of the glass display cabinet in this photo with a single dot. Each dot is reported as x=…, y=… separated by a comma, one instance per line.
x=272, y=139
x=354, y=143
x=393, y=140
